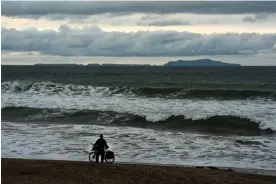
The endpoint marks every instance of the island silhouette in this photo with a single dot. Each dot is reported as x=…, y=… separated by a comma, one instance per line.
x=199, y=62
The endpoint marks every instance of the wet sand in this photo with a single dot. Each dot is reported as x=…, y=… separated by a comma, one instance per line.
x=56, y=172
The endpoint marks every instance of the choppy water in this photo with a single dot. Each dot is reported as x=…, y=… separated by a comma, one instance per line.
x=209, y=116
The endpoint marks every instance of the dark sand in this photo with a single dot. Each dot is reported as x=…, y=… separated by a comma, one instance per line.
x=56, y=172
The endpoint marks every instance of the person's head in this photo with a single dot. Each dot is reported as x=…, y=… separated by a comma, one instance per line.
x=101, y=136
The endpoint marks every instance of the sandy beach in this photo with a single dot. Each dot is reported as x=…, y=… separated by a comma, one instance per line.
x=53, y=171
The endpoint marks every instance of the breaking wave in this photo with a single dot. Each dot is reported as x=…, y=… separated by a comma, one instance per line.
x=178, y=93
x=213, y=125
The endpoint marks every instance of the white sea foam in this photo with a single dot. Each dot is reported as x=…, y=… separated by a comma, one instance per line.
x=73, y=142
x=50, y=88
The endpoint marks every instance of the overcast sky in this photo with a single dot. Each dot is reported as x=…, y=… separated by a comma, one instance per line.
x=138, y=32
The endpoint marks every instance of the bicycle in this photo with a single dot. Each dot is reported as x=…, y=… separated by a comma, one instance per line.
x=109, y=156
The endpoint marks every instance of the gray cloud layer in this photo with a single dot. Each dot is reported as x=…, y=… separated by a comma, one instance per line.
x=257, y=18
x=92, y=41
x=161, y=20
x=10, y=8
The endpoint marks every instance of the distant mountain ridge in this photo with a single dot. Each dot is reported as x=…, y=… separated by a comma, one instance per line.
x=199, y=62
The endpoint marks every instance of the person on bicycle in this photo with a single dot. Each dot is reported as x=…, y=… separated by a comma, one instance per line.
x=101, y=146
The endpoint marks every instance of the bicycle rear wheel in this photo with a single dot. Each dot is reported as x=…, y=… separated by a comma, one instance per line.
x=110, y=160
x=109, y=157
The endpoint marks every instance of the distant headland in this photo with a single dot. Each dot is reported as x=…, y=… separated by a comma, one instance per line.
x=178, y=63
x=199, y=62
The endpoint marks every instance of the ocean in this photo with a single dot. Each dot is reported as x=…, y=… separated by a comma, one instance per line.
x=220, y=116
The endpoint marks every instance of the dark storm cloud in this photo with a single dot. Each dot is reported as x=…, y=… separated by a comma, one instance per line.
x=92, y=41
x=38, y=9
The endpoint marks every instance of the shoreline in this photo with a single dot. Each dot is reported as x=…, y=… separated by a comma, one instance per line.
x=15, y=170
x=265, y=172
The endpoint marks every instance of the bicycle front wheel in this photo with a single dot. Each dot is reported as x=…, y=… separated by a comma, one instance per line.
x=92, y=156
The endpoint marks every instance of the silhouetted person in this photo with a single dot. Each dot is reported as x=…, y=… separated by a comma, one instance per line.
x=102, y=145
